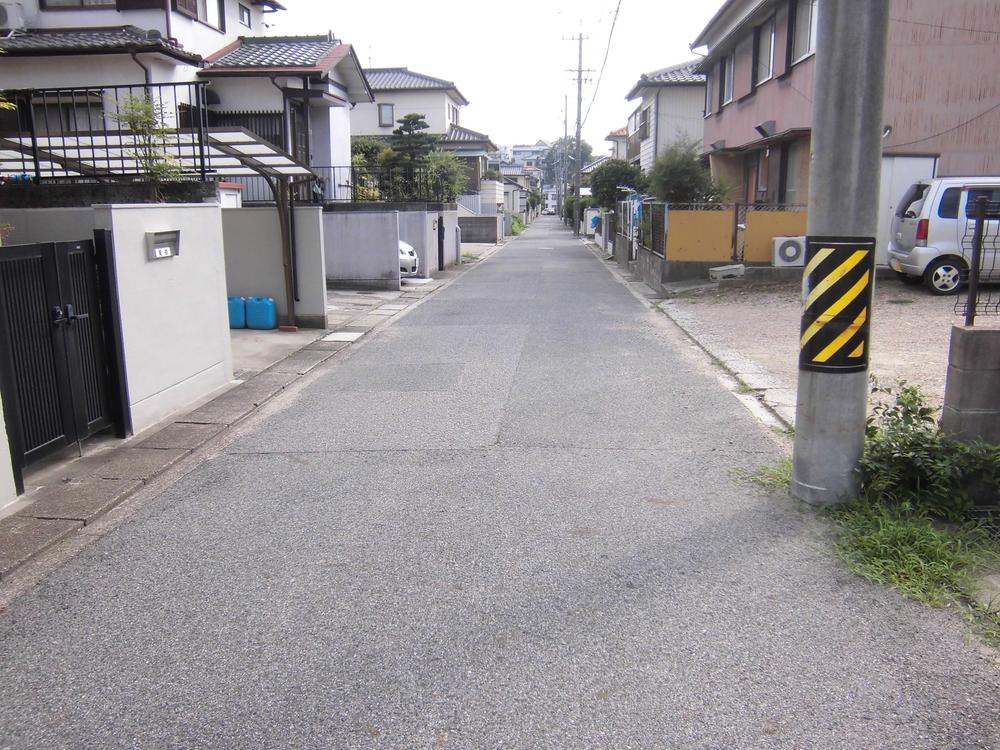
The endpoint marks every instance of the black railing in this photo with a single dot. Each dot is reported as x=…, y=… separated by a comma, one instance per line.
x=360, y=185
x=981, y=248
x=101, y=133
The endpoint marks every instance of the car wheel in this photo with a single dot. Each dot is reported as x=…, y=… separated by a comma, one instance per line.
x=944, y=276
x=908, y=279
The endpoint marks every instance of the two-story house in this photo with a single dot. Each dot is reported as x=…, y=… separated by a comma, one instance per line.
x=401, y=91
x=670, y=109
x=529, y=155
x=292, y=91
x=942, y=84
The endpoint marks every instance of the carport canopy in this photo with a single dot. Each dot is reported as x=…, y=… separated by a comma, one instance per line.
x=227, y=152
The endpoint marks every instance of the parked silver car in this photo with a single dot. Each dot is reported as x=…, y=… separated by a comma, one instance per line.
x=409, y=264
x=931, y=238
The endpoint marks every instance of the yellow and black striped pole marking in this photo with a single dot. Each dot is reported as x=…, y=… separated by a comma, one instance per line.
x=837, y=300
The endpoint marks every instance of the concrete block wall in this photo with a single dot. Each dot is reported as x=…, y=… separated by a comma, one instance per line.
x=175, y=324
x=254, y=264
x=481, y=229
x=362, y=248
x=972, y=391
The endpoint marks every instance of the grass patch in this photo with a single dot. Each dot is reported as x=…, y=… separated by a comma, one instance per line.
x=900, y=301
x=744, y=389
x=517, y=226
x=777, y=478
x=914, y=528
x=469, y=257
x=934, y=564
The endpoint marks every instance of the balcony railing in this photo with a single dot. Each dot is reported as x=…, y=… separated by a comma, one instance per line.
x=102, y=133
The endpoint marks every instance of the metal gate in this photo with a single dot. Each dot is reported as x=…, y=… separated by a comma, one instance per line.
x=440, y=223
x=55, y=375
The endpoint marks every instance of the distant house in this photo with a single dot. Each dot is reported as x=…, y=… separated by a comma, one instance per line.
x=529, y=155
x=401, y=91
x=618, y=139
x=942, y=82
x=671, y=107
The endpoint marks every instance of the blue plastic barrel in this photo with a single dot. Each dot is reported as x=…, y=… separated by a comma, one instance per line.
x=262, y=313
x=237, y=312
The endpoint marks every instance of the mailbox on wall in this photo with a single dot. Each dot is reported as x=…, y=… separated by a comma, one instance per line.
x=161, y=245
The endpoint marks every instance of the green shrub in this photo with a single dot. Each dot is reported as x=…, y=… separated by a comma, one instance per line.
x=517, y=226
x=908, y=462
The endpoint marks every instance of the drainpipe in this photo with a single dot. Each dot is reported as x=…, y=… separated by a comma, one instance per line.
x=135, y=57
x=656, y=126
x=167, y=13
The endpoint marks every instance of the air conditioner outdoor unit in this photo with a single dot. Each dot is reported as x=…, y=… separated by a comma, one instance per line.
x=12, y=16
x=789, y=251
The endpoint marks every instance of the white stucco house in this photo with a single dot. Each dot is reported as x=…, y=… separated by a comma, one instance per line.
x=294, y=92
x=671, y=106
x=401, y=91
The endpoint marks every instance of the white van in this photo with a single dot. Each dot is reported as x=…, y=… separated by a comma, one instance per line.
x=931, y=238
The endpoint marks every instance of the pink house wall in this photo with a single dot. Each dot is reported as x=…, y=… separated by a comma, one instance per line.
x=936, y=79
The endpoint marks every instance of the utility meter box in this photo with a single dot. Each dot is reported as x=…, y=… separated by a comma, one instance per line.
x=161, y=245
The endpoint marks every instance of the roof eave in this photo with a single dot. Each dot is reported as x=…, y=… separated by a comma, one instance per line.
x=125, y=49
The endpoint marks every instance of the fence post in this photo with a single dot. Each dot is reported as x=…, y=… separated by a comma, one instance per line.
x=977, y=252
x=34, y=137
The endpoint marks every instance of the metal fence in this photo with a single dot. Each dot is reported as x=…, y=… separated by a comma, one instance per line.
x=981, y=247
x=97, y=133
x=359, y=184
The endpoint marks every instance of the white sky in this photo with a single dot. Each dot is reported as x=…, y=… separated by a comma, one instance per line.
x=508, y=59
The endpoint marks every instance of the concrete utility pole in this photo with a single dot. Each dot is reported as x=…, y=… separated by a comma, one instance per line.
x=837, y=287
x=562, y=155
x=579, y=106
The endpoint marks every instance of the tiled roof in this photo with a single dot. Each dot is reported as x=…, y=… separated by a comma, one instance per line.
x=620, y=133
x=511, y=170
x=91, y=41
x=457, y=137
x=675, y=75
x=458, y=134
x=404, y=79
x=280, y=52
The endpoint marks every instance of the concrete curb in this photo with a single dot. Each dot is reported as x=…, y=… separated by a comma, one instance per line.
x=762, y=390
x=95, y=485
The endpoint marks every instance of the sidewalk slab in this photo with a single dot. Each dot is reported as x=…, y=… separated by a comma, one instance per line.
x=127, y=463
x=182, y=435
x=302, y=361
x=24, y=537
x=80, y=499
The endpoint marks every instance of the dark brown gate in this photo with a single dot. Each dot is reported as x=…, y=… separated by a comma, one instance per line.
x=56, y=377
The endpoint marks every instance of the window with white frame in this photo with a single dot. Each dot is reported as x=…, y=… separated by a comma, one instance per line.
x=210, y=12
x=386, y=118
x=244, y=16
x=804, y=28
x=763, y=52
x=726, y=79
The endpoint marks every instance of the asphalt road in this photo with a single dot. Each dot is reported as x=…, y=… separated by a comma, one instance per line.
x=509, y=520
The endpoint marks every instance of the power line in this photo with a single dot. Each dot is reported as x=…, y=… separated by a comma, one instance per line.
x=604, y=62
x=949, y=130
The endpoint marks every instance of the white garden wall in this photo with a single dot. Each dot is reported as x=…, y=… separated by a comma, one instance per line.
x=254, y=267
x=8, y=493
x=175, y=325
